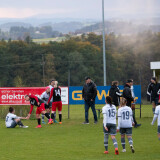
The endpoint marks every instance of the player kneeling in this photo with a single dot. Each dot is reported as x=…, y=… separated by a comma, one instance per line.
x=109, y=124
x=35, y=101
x=12, y=120
x=57, y=103
x=125, y=121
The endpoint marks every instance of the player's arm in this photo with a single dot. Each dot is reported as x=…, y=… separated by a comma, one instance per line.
x=155, y=116
x=104, y=119
x=51, y=95
x=119, y=120
x=31, y=109
x=131, y=115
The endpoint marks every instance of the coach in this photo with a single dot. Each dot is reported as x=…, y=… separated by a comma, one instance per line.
x=127, y=94
x=89, y=94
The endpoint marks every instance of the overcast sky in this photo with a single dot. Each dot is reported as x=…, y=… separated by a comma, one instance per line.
x=77, y=8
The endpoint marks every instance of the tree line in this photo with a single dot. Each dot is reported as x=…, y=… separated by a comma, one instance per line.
x=24, y=63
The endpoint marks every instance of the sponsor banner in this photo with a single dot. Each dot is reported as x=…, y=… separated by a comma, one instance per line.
x=15, y=96
x=75, y=94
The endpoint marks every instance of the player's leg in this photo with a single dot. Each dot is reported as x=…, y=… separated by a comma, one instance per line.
x=13, y=124
x=94, y=111
x=38, y=120
x=129, y=136
x=122, y=132
x=153, y=106
x=53, y=113
x=60, y=112
x=113, y=133
x=159, y=132
x=106, y=136
x=86, y=112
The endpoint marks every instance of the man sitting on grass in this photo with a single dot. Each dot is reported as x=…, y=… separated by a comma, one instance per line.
x=12, y=120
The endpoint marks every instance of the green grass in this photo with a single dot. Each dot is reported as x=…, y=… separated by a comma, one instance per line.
x=74, y=141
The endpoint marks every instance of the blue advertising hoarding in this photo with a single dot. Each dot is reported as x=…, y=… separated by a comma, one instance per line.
x=75, y=94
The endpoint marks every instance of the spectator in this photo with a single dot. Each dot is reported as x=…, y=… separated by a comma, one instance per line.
x=127, y=94
x=114, y=93
x=153, y=93
x=89, y=94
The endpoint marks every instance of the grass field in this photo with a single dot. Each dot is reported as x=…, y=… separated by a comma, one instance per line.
x=74, y=141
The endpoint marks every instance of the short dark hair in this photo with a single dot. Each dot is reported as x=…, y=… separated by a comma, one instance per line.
x=129, y=80
x=52, y=80
x=11, y=109
x=26, y=96
x=115, y=82
x=87, y=77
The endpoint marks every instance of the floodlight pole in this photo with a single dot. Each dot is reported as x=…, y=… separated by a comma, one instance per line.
x=104, y=48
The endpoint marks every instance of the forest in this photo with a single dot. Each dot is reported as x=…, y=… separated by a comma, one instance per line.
x=25, y=63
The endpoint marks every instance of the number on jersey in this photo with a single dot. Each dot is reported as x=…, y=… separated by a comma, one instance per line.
x=125, y=115
x=112, y=112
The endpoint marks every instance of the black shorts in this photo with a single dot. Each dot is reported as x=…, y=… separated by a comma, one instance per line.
x=13, y=124
x=48, y=106
x=155, y=100
x=127, y=131
x=111, y=129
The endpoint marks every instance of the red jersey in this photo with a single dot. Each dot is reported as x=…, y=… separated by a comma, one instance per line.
x=34, y=102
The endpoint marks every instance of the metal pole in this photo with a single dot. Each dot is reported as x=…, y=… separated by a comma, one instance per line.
x=43, y=63
x=68, y=93
x=104, y=49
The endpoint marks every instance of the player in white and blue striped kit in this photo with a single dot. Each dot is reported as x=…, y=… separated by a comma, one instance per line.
x=125, y=121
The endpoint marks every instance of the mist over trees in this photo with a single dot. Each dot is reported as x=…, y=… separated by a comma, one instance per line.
x=22, y=62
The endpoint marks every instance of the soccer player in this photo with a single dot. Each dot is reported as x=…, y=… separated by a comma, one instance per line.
x=109, y=124
x=35, y=101
x=57, y=103
x=44, y=97
x=157, y=115
x=52, y=84
x=125, y=121
x=12, y=120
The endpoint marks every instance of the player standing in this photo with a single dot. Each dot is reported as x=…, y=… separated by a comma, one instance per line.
x=35, y=101
x=125, y=121
x=157, y=115
x=57, y=102
x=109, y=124
x=12, y=120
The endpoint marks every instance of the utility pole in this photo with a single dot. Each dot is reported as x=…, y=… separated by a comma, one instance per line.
x=104, y=48
x=43, y=63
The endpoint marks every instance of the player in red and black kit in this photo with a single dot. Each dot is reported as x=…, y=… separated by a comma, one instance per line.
x=57, y=102
x=35, y=101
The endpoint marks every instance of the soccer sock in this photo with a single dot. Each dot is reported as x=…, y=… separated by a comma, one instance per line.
x=52, y=115
x=130, y=141
x=106, y=141
x=42, y=117
x=115, y=143
x=153, y=109
x=60, y=117
x=20, y=123
x=123, y=143
x=39, y=121
x=46, y=114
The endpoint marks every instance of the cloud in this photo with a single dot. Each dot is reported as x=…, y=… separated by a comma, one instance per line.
x=28, y=12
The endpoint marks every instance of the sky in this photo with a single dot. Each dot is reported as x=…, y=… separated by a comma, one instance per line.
x=85, y=9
